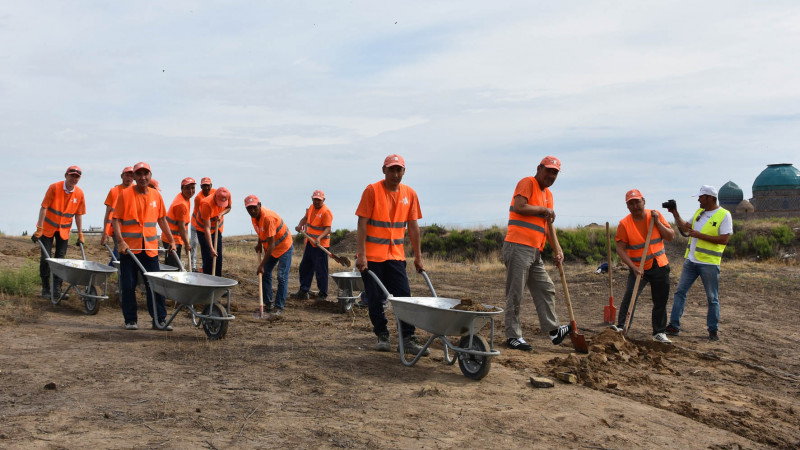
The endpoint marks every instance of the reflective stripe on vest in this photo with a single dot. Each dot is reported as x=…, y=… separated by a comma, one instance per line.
x=635, y=245
x=529, y=230
x=705, y=251
x=386, y=235
x=173, y=219
x=315, y=224
x=56, y=220
x=140, y=232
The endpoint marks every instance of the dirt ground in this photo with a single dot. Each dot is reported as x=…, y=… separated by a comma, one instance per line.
x=312, y=380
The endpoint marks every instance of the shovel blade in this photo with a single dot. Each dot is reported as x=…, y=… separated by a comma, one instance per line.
x=578, y=341
x=609, y=313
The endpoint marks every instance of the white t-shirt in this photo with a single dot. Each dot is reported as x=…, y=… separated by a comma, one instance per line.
x=726, y=227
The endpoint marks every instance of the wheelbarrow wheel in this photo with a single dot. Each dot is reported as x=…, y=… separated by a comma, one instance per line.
x=215, y=329
x=346, y=304
x=90, y=301
x=474, y=367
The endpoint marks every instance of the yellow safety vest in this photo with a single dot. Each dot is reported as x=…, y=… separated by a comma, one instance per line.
x=705, y=251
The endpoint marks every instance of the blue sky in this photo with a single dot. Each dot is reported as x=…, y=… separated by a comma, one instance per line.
x=278, y=99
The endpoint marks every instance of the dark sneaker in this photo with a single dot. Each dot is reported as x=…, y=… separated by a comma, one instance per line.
x=411, y=345
x=322, y=297
x=383, y=343
x=46, y=292
x=131, y=326
x=277, y=312
x=712, y=335
x=301, y=295
x=519, y=344
x=672, y=331
x=558, y=335
x=164, y=326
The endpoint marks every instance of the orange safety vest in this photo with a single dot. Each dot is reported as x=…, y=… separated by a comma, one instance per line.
x=111, y=200
x=262, y=226
x=386, y=229
x=316, y=222
x=60, y=208
x=635, y=245
x=209, y=210
x=529, y=230
x=199, y=197
x=138, y=227
x=173, y=218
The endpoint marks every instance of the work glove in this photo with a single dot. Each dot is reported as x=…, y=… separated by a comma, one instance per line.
x=37, y=234
x=81, y=241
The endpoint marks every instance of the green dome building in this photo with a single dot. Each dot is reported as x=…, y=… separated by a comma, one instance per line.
x=730, y=195
x=777, y=191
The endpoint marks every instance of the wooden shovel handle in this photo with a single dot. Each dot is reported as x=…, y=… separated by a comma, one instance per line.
x=639, y=277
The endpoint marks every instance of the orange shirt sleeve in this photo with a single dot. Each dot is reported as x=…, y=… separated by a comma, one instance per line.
x=48, y=196
x=367, y=202
x=622, y=233
x=414, y=210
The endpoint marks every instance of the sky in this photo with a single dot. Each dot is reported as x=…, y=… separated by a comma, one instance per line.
x=278, y=99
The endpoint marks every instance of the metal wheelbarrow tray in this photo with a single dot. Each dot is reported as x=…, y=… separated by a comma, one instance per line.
x=81, y=275
x=436, y=316
x=190, y=289
x=348, y=284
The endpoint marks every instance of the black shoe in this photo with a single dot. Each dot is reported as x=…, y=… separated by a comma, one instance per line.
x=301, y=295
x=46, y=292
x=519, y=344
x=712, y=335
x=672, y=331
x=322, y=297
x=411, y=345
x=558, y=335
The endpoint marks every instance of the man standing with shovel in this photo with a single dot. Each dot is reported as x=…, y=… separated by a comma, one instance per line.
x=316, y=224
x=276, y=242
x=178, y=219
x=210, y=223
x=631, y=240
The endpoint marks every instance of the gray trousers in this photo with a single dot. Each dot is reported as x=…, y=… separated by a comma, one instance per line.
x=193, y=243
x=524, y=267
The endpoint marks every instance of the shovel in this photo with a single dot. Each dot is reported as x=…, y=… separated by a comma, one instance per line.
x=609, y=311
x=260, y=314
x=639, y=277
x=343, y=260
x=214, y=260
x=578, y=341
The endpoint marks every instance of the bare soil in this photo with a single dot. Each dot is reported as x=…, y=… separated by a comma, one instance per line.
x=312, y=380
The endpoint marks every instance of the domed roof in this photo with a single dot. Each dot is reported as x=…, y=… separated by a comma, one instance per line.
x=777, y=177
x=730, y=193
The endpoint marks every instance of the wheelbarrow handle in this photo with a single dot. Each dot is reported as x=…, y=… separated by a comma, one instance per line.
x=83, y=252
x=111, y=252
x=46, y=253
x=378, y=281
x=428, y=280
x=177, y=258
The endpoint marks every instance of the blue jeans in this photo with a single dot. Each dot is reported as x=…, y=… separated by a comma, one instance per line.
x=128, y=277
x=314, y=262
x=709, y=273
x=205, y=252
x=392, y=274
x=283, y=262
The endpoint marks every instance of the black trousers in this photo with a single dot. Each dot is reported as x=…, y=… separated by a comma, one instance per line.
x=44, y=268
x=658, y=277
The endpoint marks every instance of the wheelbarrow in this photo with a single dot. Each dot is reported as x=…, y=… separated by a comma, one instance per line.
x=161, y=266
x=190, y=290
x=437, y=316
x=350, y=285
x=80, y=274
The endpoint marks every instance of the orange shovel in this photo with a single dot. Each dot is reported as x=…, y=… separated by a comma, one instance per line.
x=609, y=311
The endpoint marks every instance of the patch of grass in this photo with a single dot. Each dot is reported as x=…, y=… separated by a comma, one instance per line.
x=20, y=282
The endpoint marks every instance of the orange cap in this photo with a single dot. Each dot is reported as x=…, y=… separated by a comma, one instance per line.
x=188, y=180
x=205, y=180
x=633, y=194
x=141, y=165
x=551, y=162
x=222, y=197
x=74, y=170
x=154, y=184
x=250, y=200
x=318, y=194
x=127, y=169
x=394, y=160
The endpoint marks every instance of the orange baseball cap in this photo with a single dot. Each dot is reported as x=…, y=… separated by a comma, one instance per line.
x=141, y=165
x=632, y=195
x=222, y=197
x=551, y=162
x=394, y=160
x=188, y=180
x=127, y=169
x=154, y=184
x=250, y=200
x=205, y=180
x=318, y=194
x=74, y=170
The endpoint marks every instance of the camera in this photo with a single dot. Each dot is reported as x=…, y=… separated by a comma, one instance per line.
x=670, y=204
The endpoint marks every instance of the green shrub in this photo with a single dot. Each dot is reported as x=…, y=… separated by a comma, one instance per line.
x=764, y=246
x=22, y=281
x=338, y=235
x=783, y=234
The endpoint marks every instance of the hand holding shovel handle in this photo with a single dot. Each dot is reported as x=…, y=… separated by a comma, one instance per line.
x=639, y=276
x=339, y=259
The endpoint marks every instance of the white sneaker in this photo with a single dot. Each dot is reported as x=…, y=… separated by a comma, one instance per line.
x=661, y=337
x=131, y=326
x=615, y=328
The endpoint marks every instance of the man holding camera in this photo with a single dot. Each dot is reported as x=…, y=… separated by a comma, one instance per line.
x=709, y=231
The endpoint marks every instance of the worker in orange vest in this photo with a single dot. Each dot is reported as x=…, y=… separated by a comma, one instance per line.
x=211, y=221
x=529, y=214
x=316, y=223
x=62, y=202
x=630, y=240
x=276, y=242
x=386, y=209
x=135, y=216
x=206, y=189
x=111, y=200
x=178, y=217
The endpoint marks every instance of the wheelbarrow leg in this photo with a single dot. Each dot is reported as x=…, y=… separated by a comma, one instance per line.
x=403, y=349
